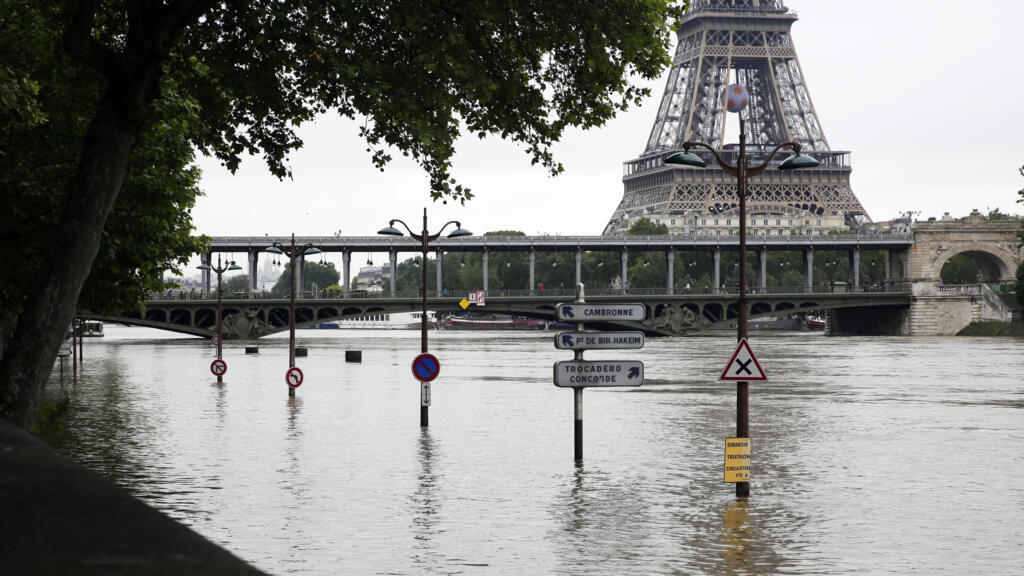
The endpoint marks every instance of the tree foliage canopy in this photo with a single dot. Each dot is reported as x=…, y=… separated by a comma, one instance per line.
x=123, y=92
x=418, y=72
x=312, y=273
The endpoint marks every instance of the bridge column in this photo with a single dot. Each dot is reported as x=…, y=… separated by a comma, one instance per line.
x=254, y=272
x=393, y=260
x=809, y=268
x=670, y=265
x=346, y=269
x=483, y=260
x=855, y=268
x=762, y=272
x=716, y=270
x=437, y=261
x=533, y=262
x=300, y=264
x=624, y=258
x=207, y=259
x=579, y=266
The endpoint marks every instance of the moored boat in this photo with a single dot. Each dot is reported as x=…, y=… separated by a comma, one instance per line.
x=390, y=321
x=494, y=323
x=90, y=329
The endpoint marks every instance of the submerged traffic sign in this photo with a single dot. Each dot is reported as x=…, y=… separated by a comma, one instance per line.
x=583, y=373
x=426, y=367
x=218, y=367
x=743, y=366
x=737, y=460
x=294, y=377
x=599, y=340
x=600, y=312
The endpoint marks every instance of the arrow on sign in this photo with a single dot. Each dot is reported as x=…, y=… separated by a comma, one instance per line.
x=567, y=310
x=568, y=340
x=633, y=372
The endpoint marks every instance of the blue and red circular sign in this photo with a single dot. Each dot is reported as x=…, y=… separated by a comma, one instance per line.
x=426, y=367
x=293, y=377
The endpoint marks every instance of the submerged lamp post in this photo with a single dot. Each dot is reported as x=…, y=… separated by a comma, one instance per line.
x=220, y=269
x=425, y=238
x=736, y=100
x=292, y=252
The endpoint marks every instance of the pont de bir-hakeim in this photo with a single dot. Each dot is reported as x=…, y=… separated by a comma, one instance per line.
x=751, y=40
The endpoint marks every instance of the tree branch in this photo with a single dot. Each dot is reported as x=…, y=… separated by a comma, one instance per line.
x=80, y=44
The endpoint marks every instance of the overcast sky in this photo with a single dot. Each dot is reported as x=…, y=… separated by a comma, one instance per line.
x=926, y=95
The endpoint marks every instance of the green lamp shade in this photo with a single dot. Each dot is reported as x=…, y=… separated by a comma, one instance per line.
x=312, y=250
x=390, y=231
x=273, y=250
x=203, y=267
x=460, y=232
x=686, y=159
x=234, y=267
x=798, y=161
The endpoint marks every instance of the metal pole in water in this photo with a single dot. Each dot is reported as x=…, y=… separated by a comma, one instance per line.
x=577, y=393
x=424, y=240
x=74, y=344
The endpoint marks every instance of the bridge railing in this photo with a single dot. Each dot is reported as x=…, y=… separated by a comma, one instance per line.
x=887, y=287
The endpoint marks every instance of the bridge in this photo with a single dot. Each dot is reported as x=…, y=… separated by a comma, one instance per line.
x=254, y=315
x=910, y=299
x=576, y=246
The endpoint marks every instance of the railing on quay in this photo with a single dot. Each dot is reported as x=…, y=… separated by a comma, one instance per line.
x=887, y=287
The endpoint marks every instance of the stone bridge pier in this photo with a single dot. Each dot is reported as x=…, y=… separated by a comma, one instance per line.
x=936, y=309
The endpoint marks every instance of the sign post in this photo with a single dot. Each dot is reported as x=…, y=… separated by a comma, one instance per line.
x=741, y=368
x=579, y=373
x=425, y=368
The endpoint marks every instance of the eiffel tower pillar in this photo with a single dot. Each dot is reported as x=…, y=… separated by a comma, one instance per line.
x=750, y=40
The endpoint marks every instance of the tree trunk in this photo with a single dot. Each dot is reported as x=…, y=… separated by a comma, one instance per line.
x=31, y=351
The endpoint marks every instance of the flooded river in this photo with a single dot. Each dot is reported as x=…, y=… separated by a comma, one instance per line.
x=869, y=455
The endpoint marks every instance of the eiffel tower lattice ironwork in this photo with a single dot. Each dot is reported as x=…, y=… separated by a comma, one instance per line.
x=751, y=39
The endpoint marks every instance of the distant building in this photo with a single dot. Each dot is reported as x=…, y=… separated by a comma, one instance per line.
x=373, y=278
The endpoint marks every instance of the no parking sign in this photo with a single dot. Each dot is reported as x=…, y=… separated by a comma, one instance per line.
x=426, y=367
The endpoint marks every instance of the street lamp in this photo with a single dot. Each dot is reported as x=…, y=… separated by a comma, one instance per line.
x=219, y=269
x=424, y=238
x=742, y=172
x=292, y=252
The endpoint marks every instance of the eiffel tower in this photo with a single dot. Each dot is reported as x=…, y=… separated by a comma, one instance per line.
x=751, y=40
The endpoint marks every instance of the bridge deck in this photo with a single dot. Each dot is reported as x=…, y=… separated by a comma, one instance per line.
x=256, y=315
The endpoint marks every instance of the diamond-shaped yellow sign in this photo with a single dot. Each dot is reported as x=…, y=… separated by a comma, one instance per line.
x=464, y=303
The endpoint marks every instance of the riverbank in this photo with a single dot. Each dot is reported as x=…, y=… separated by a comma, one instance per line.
x=60, y=518
x=993, y=329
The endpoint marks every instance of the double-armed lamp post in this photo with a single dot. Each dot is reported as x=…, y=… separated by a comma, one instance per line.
x=425, y=238
x=736, y=100
x=293, y=252
x=220, y=269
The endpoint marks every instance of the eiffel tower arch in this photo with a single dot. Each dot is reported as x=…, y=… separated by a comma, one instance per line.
x=750, y=40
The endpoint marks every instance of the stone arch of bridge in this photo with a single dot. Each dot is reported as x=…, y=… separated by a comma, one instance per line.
x=993, y=266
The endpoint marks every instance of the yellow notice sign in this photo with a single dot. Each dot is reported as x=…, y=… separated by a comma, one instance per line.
x=737, y=460
x=464, y=303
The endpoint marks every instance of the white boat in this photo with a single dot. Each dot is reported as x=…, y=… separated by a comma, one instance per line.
x=90, y=329
x=390, y=321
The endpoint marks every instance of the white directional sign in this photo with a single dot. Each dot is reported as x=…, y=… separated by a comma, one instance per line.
x=599, y=340
x=600, y=312
x=583, y=373
x=743, y=366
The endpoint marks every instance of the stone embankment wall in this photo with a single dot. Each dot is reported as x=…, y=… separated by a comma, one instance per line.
x=935, y=310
